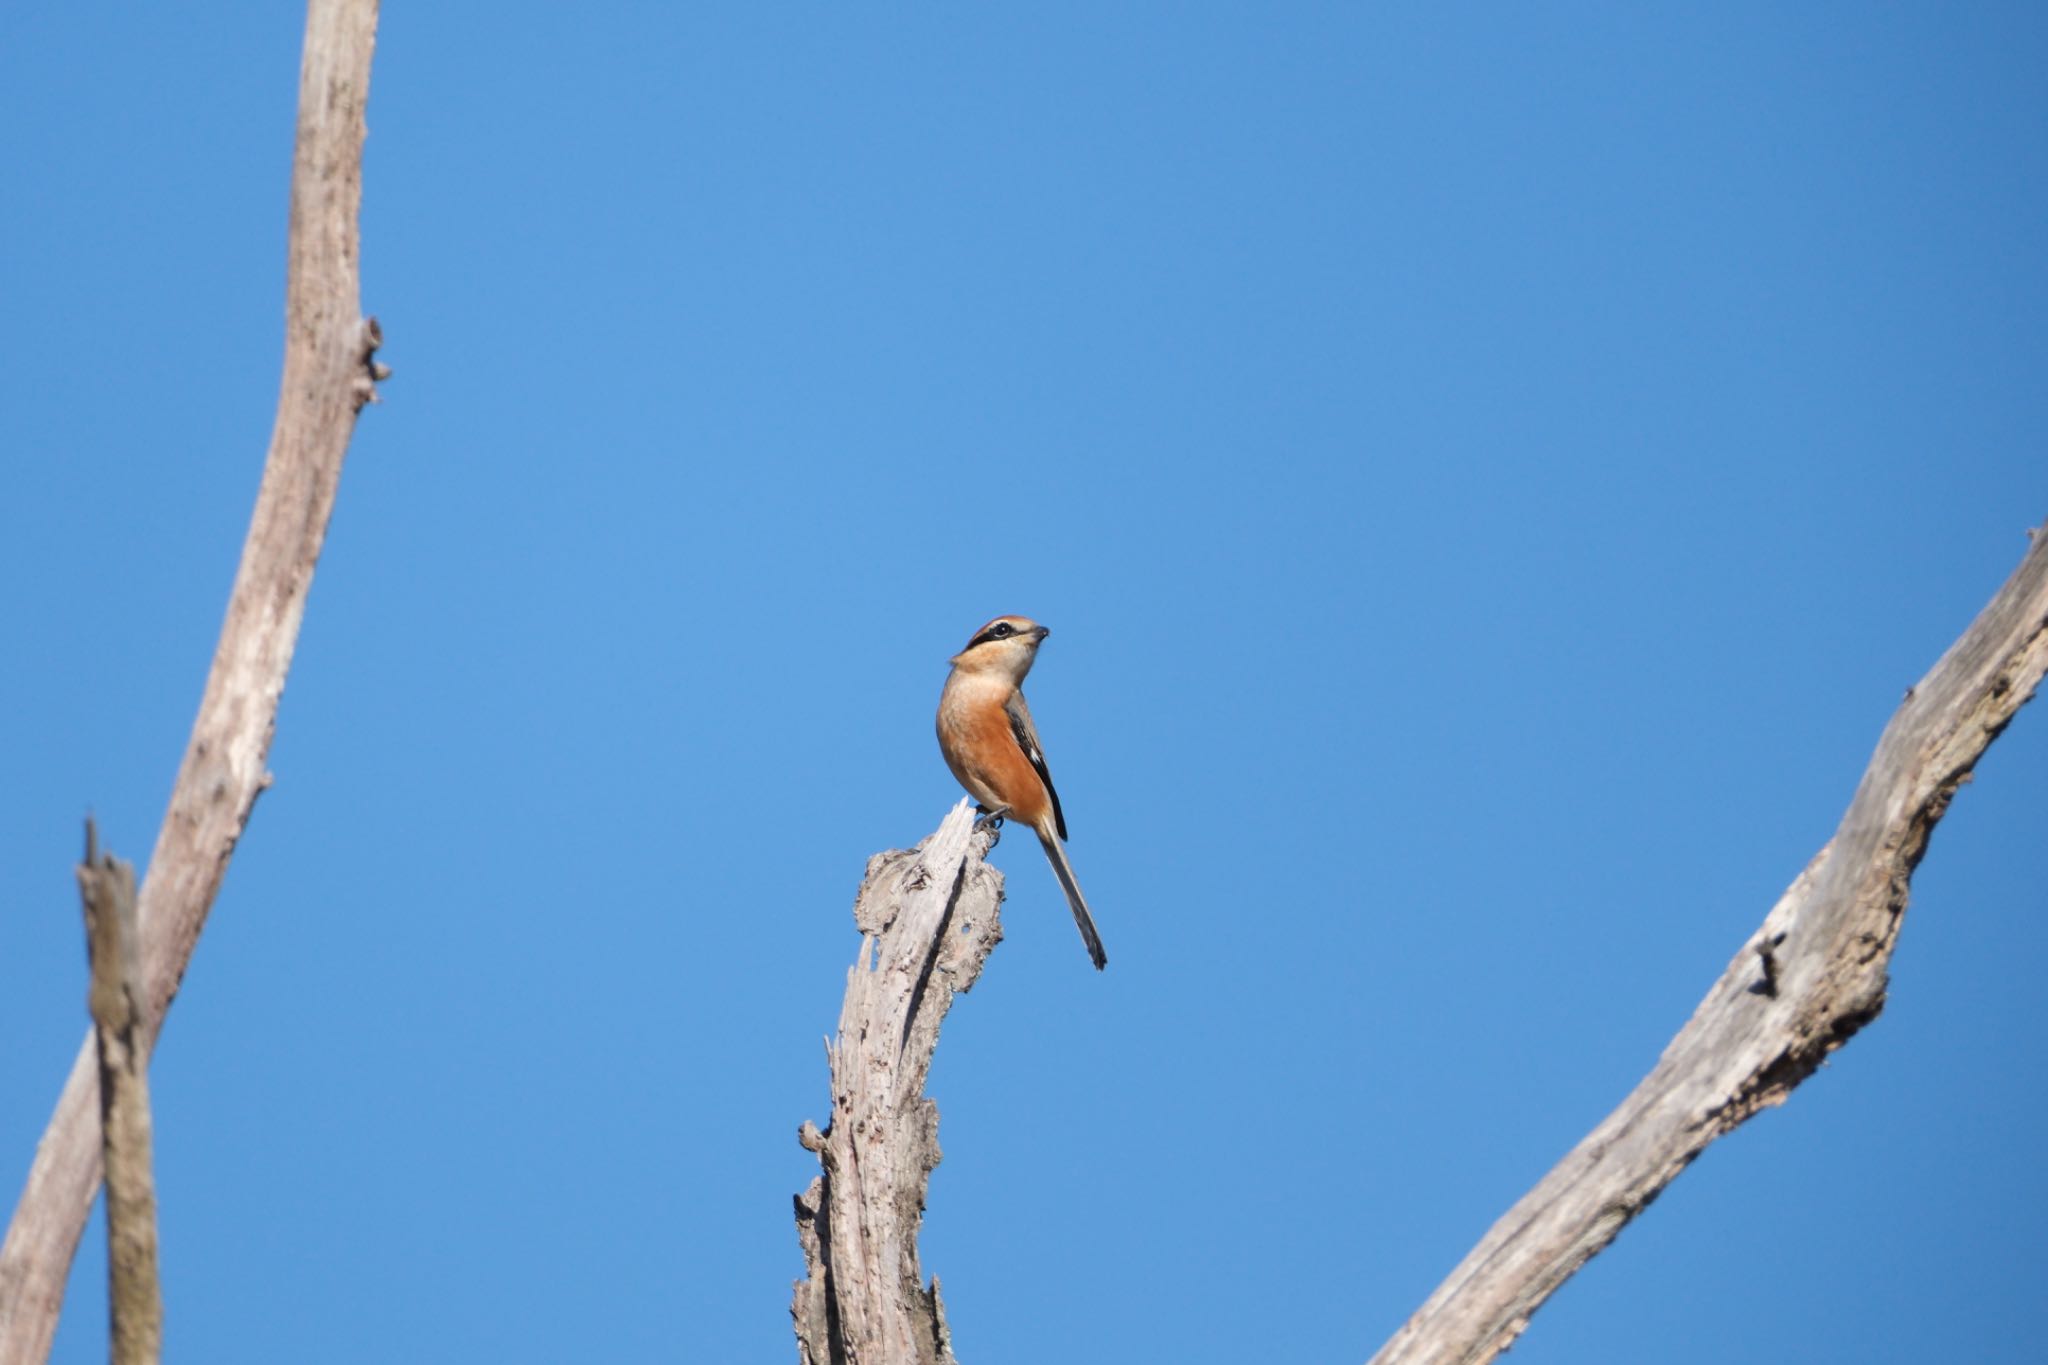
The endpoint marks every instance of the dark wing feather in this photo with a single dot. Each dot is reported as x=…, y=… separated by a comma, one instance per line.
x=1027, y=740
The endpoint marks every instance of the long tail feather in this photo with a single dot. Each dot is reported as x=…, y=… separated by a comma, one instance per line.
x=1057, y=856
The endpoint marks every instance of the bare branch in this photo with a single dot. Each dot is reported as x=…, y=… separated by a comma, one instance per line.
x=1801, y=987
x=329, y=373
x=112, y=934
x=928, y=920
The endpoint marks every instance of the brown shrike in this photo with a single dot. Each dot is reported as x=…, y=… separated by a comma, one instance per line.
x=985, y=731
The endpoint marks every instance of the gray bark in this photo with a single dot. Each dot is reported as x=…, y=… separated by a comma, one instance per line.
x=928, y=918
x=1801, y=987
x=329, y=373
x=135, y=1307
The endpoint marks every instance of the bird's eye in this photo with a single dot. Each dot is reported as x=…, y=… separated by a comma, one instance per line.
x=1002, y=630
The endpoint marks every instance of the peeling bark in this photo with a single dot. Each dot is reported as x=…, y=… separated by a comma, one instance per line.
x=928, y=918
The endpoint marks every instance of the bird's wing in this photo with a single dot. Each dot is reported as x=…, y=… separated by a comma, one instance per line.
x=1027, y=740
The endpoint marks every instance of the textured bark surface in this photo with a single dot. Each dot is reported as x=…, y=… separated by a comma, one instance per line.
x=113, y=936
x=329, y=373
x=928, y=920
x=1802, y=986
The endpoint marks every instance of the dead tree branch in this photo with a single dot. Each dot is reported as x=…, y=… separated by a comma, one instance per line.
x=134, y=1298
x=329, y=373
x=928, y=920
x=1802, y=986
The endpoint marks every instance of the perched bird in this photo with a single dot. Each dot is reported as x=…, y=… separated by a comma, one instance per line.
x=986, y=734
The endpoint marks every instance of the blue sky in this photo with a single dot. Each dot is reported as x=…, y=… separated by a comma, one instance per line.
x=1490, y=473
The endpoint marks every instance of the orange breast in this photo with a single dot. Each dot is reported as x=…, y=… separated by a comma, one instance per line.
x=983, y=754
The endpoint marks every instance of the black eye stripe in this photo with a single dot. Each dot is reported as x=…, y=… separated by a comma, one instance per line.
x=1001, y=630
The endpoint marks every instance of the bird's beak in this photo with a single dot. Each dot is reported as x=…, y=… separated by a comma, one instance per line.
x=1041, y=632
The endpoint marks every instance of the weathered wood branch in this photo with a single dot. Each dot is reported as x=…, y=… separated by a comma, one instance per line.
x=1801, y=987
x=928, y=918
x=329, y=373
x=113, y=934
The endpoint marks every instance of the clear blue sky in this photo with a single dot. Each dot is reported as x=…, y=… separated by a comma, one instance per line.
x=1490, y=473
